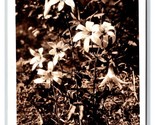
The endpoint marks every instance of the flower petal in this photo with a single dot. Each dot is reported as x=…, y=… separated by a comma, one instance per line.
x=106, y=24
x=35, y=65
x=48, y=5
x=60, y=44
x=86, y=44
x=61, y=54
x=89, y=25
x=112, y=35
x=81, y=27
x=33, y=53
x=58, y=80
x=52, y=44
x=42, y=60
x=52, y=52
x=111, y=28
x=65, y=47
x=61, y=5
x=48, y=83
x=57, y=74
x=70, y=3
x=95, y=39
x=104, y=81
x=80, y=35
x=52, y=2
x=40, y=50
x=41, y=72
x=40, y=64
x=96, y=28
x=39, y=80
x=55, y=59
x=105, y=41
x=50, y=66
x=33, y=60
x=47, y=8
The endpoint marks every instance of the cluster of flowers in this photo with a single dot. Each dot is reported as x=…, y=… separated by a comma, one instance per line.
x=60, y=4
x=89, y=32
x=94, y=32
x=49, y=75
x=97, y=34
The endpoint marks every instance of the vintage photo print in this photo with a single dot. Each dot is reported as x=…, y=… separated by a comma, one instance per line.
x=78, y=62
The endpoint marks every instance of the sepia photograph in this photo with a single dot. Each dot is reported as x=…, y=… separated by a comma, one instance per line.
x=78, y=62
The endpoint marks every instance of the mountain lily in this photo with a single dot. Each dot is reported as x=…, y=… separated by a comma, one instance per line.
x=108, y=30
x=89, y=32
x=48, y=76
x=111, y=77
x=58, y=50
x=61, y=4
x=38, y=58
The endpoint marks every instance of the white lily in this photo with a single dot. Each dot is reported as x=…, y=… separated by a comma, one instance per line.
x=61, y=4
x=88, y=32
x=111, y=77
x=58, y=50
x=47, y=76
x=109, y=30
x=38, y=58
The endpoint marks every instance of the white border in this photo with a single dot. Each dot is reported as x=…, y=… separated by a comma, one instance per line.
x=2, y=62
x=142, y=61
x=10, y=51
x=10, y=67
x=152, y=61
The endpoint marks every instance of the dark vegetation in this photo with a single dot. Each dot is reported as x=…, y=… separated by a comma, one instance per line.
x=78, y=99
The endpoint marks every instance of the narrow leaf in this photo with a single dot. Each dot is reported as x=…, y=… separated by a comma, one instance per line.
x=71, y=111
x=81, y=109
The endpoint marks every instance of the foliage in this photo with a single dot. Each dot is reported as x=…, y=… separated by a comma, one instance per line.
x=82, y=66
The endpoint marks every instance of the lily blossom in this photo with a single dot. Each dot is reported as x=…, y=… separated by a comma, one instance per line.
x=109, y=30
x=89, y=32
x=61, y=4
x=111, y=77
x=38, y=58
x=58, y=50
x=48, y=76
